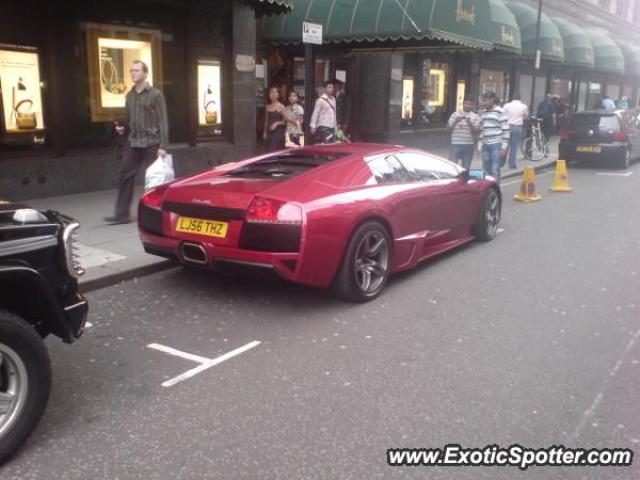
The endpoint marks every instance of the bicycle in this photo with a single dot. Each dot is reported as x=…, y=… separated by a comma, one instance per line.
x=535, y=146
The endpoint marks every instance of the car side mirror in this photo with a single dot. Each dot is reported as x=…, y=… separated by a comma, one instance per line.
x=473, y=174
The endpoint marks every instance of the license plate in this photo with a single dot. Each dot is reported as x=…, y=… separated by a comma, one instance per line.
x=199, y=226
x=589, y=149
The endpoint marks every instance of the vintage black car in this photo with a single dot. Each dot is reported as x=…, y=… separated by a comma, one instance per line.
x=38, y=296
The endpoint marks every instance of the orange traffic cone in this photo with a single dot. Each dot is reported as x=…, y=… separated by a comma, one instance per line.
x=527, y=192
x=561, y=182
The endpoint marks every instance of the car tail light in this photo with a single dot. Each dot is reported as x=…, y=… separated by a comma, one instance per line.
x=619, y=136
x=266, y=210
x=154, y=197
x=564, y=134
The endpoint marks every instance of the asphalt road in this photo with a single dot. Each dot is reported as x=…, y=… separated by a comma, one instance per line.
x=530, y=339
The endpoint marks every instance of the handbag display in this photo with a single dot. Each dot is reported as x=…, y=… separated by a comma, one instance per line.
x=25, y=120
x=211, y=118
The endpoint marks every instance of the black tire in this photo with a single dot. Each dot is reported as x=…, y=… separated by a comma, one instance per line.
x=23, y=352
x=625, y=161
x=349, y=281
x=489, y=218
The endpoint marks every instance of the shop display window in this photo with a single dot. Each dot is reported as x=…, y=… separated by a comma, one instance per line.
x=110, y=52
x=20, y=84
x=560, y=87
x=407, y=101
x=209, y=93
x=495, y=81
x=425, y=92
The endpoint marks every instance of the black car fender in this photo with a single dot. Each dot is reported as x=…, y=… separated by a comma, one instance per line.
x=26, y=293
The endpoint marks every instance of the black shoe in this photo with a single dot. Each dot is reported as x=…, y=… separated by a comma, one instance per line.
x=118, y=220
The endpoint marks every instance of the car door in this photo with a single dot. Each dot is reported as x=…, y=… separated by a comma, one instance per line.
x=399, y=196
x=451, y=199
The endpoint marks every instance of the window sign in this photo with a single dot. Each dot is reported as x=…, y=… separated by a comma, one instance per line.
x=21, y=95
x=209, y=109
x=111, y=49
x=116, y=57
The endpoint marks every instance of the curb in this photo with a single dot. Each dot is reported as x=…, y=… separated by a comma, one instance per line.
x=537, y=168
x=111, y=279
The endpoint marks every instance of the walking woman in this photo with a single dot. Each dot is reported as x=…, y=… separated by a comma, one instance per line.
x=275, y=121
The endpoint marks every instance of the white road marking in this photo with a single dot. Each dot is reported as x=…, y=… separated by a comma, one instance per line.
x=205, y=363
x=588, y=413
x=610, y=174
x=178, y=353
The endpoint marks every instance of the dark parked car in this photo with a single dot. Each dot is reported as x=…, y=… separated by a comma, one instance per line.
x=611, y=137
x=38, y=296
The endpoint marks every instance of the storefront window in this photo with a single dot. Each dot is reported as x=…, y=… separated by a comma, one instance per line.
x=434, y=94
x=407, y=101
x=426, y=90
x=613, y=91
x=582, y=96
x=594, y=95
x=209, y=105
x=20, y=85
x=494, y=81
x=110, y=52
x=561, y=88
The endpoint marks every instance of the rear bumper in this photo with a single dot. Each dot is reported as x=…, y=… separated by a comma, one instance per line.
x=609, y=152
x=285, y=264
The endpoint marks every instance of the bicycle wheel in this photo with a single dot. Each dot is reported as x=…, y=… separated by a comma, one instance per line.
x=526, y=147
x=538, y=148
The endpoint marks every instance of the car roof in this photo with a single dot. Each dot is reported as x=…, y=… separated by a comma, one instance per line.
x=360, y=149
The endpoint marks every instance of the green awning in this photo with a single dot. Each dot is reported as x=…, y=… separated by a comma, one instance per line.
x=607, y=55
x=504, y=27
x=272, y=6
x=578, y=51
x=631, y=57
x=465, y=22
x=551, y=45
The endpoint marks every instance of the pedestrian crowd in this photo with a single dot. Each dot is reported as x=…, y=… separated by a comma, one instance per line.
x=284, y=125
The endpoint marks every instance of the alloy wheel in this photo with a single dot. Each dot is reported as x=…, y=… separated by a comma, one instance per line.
x=371, y=262
x=13, y=388
x=492, y=214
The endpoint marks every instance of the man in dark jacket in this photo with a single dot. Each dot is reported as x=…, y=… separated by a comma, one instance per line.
x=147, y=125
x=546, y=111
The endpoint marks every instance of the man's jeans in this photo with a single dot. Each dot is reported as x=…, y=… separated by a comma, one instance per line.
x=491, y=159
x=514, y=144
x=464, y=153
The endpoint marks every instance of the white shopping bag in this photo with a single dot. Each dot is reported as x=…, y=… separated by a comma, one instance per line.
x=159, y=172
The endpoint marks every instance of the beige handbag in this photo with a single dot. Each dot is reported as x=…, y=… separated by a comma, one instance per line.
x=25, y=120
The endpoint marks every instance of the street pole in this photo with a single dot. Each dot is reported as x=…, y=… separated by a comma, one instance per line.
x=536, y=60
x=309, y=89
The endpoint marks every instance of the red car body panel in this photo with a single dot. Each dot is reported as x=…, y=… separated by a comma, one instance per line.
x=423, y=218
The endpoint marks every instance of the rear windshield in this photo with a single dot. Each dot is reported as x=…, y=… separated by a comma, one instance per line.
x=604, y=122
x=285, y=165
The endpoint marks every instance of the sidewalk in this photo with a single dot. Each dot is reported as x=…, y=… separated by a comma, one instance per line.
x=113, y=253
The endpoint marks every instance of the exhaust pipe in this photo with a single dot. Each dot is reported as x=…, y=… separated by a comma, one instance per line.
x=194, y=253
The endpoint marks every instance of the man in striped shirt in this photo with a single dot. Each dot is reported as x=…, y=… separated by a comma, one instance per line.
x=147, y=125
x=464, y=125
x=494, y=134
